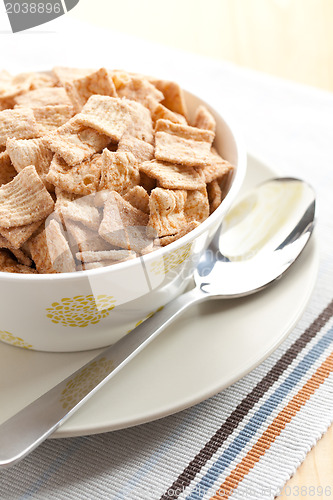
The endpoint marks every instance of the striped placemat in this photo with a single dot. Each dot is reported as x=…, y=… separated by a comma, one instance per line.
x=248, y=440
x=243, y=443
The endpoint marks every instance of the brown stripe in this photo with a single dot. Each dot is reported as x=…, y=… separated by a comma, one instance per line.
x=234, y=419
x=265, y=441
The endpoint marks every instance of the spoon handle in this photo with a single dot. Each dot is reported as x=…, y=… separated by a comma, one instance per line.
x=22, y=433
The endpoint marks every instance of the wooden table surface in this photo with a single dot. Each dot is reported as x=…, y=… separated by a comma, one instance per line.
x=315, y=472
x=292, y=39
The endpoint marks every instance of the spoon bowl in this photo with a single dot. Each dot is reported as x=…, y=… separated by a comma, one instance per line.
x=262, y=236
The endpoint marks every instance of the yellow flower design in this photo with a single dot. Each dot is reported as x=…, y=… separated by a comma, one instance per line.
x=81, y=311
x=171, y=261
x=9, y=338
x=84, y=382
x=144, y=319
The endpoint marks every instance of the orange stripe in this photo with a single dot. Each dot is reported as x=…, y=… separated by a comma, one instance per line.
x=274, y=430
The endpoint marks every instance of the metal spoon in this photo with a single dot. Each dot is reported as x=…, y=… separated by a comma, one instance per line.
x=261, y=237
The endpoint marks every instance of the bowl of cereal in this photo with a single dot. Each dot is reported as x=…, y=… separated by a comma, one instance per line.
x=112, y=184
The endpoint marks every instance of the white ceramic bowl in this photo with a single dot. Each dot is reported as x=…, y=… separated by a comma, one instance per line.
x=95, y=308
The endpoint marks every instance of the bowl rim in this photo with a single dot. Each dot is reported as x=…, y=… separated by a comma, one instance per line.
x=147, y=258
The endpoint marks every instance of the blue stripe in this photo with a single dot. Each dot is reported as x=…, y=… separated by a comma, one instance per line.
x=77, y=443
x=128, y=491
x=259, y=418
x=55, y=465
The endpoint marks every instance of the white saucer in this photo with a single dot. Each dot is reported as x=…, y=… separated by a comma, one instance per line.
x=205, y=351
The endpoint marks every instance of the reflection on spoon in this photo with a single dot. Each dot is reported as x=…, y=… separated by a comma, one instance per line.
x=263, y=218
